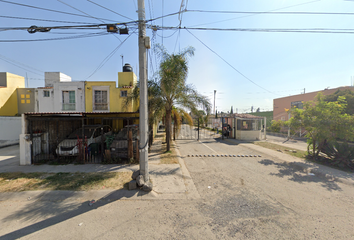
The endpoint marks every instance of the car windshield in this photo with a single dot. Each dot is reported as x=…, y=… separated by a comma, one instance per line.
x=78, y=133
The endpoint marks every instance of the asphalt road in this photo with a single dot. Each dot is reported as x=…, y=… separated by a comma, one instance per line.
x=241, y=198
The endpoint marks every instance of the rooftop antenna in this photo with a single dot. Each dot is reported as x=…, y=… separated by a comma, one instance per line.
x=26, y=81
x=122, y=56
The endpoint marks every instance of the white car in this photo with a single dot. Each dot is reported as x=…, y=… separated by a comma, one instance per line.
x=93, y=134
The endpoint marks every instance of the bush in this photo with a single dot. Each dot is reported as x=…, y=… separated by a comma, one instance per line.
x=276, y=125
x=341, y=154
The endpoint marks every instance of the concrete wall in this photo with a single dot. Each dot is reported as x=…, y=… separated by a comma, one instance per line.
x=54, y=103
x=10, y=130
x=8, y=95
x=280, y=104
x=45, y=103
x=248, y=135
x=26, y=100
x=126, y=82
x=54, y=77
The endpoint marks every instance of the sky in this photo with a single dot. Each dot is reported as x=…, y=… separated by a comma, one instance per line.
x=249, y=65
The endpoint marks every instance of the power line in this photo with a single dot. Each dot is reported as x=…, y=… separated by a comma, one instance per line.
x=62, y=38
x=51, y=10
x=296, y=5
x=109, y=10
x=17, y=64
x=87, y=15
x=230, y=64
x=46, y=20
x=109, y=57
x=274, y=13
x=168, y=35
x=284, y=30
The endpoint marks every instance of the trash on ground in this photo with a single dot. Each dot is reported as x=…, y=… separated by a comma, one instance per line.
x=311, y=174
x=92, y=202
x=80, y=224
x=209, y=187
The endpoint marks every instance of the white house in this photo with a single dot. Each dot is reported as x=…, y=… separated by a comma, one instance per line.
x=60, y=94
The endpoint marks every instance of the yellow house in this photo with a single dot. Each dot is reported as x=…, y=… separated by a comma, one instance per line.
x=104, y=96
x=8, y=95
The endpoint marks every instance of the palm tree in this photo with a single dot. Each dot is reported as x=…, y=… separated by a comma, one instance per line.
x=155, y=104
x=173, y=87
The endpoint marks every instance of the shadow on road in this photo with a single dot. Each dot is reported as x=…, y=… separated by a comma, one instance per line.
x=41, y=208
x=296, y=173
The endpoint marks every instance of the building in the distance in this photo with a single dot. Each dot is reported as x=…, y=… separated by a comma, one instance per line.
x=280, y=105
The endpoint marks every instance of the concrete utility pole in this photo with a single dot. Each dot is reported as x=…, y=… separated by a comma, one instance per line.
x=143, y=108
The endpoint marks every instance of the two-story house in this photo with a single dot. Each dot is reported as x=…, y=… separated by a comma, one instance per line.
x=60, y=94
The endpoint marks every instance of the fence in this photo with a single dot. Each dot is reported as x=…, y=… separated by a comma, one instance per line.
x=80, y=140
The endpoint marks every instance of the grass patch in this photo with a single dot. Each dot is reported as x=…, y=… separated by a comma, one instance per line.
x=325, y=161
x=168, y=157
x=17, y=181
x=276, y=147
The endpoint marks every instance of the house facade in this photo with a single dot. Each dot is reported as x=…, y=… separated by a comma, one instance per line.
x=60, y=94
x=280, y=105
x=9, y=83
x=105, y=96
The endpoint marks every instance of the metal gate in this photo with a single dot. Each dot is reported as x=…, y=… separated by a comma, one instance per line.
x=199, y=129
x=63, y=139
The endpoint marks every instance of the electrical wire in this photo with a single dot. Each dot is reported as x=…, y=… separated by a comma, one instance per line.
x=51, y=10
x=104, y=61
x=46, y=20
x=62, y=38
x=230, y=64
x=296, y=5
x=110, y=10
x=274, y=13
x=169, y=35
x=87, y=15
x=17, y=64
x=299, y=30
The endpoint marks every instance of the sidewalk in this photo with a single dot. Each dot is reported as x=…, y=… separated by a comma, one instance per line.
x=170, y=181
x=306, y=166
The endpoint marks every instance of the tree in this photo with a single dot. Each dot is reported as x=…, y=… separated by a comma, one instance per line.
x=155, y=104
x=324, y=122
x=174, y=91
x=349, y=97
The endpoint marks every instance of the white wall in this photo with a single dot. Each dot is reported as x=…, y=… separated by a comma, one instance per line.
x=54, y=102
x=54, y=77
x=10, y=130
x=248, y=135
x=78, y=87
x=44, y=104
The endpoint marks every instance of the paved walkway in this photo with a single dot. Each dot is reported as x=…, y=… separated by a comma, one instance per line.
x=170, y=181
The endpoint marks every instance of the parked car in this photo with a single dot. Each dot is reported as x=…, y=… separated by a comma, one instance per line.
x=92, y=133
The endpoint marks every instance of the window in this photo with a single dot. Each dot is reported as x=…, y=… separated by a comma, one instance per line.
x=100, y=100
x=46, y=93
x=124, y=93
x=297, y=104
x=68, y=100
